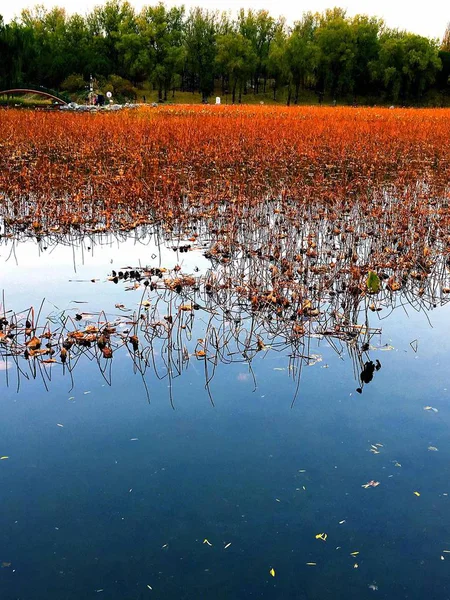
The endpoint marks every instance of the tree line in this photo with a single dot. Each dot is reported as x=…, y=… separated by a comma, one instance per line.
x=331, y=54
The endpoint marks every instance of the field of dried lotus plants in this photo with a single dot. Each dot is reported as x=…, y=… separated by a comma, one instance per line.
x=308, y=215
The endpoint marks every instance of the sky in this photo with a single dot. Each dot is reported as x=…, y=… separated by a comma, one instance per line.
x=425, y=18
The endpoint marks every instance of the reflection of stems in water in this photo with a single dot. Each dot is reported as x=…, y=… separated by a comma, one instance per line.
x=221, y=317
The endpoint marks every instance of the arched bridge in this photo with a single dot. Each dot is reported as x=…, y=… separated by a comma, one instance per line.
x=33, y=91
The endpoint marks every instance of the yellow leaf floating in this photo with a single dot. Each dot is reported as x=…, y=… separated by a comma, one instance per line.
x=355, y=566
x=149, y=587
x=354, y=553
x=416, y=494
x=311, y=564
x=205, y=541
x=227, y=546
x=272, y=572
x=322, y=536
x=3, y=457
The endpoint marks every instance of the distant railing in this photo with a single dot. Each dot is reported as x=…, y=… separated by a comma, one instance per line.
x=41, y=91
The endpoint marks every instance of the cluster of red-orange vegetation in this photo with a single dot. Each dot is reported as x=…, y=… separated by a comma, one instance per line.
x=117, y=171
x=293, y=206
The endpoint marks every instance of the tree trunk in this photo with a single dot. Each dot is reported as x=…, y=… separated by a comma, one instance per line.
x=289, y=95
x=233, y=97
x=297, y=89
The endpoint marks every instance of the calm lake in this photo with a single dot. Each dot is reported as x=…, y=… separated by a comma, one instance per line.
x=214, y=467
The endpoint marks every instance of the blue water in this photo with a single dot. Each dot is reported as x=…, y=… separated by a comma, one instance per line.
x=126, y=492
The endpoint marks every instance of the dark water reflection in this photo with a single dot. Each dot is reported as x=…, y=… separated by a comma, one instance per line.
x=104, y=494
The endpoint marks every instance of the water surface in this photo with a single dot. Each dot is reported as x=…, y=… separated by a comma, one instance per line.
x=113, y=491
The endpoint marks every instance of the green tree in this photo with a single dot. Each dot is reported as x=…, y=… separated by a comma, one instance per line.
x=445, y=44
x=13, y=45
x=259, y=29
x=106, y=25
x=337, y=45
x=277, y=64
x=407, y=65
x=46, y=32
x=165, y=33
x=200, y=46
x=236, y=57
x=302, y=55
x=366, y=32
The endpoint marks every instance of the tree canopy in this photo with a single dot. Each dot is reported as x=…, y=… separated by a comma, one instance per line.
x=329, y=53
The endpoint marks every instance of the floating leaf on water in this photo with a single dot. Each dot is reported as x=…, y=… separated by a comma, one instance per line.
x=354, y=553
x=416, y=494
x=272, y=572
x=149, y=587
x=34, y=343
x=430, y=408
x=322, y=536
x=371, y=483
x=340, y=522
x=205, y=541
x=313, y=359
x=393, y=284
x=186, y=307
x=433, y=448
x=107, y=352
x=373, y=282
x=260, y=345
x=227, y=545
x=4, y=457
x=311, y=564
x=355, y=566
x=60, y=424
